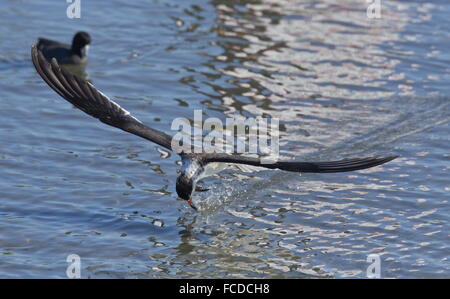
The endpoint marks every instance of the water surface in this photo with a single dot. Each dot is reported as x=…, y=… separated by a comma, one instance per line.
x=342, y=85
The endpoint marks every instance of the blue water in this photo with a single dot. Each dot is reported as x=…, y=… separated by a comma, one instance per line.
x=342, y=85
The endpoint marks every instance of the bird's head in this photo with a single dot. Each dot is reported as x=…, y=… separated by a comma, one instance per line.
x=185, y=187
x=80, y=43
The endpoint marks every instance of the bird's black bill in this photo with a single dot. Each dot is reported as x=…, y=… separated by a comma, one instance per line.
x=192, y=204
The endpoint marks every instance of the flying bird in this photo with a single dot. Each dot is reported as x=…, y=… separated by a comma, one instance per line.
x=87, y=98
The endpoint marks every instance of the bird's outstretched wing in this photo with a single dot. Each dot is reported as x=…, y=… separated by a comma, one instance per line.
x=87, y=98
x=317, y=167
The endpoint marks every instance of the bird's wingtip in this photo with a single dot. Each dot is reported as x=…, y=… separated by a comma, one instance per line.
x=390, y=158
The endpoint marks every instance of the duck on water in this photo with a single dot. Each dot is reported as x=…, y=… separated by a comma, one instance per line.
x=74, y=54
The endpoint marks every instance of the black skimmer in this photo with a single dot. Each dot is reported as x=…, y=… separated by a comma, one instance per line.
x=87, y=98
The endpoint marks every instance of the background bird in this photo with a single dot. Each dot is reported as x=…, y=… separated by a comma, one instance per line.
x=76, y=53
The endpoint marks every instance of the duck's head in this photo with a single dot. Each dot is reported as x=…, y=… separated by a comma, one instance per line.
x=80, y=43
